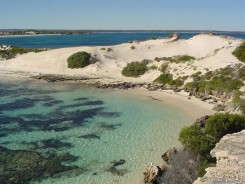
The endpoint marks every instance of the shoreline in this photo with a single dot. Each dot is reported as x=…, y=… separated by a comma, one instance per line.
x=193, y=106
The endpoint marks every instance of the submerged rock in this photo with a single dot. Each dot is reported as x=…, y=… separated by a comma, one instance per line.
x=113, y=168
x=21, y=166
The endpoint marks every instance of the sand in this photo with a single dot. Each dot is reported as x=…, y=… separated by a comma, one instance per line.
x=211, y=53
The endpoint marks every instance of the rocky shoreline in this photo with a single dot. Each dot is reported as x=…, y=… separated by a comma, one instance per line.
x=220, y=100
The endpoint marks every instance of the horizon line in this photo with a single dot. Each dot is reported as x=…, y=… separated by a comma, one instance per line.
x=126, y=30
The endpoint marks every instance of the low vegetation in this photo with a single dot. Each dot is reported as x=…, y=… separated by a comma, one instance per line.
x=167, y=78
x=239, y=52
x=224, y=80
x=79, y=60
x=132, y=47
x=238, y=101
x=12, y=52
x=176, y=59
x=201, y=139
x=135, y=69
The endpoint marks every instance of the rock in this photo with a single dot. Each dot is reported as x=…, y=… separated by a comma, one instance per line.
x=202, y=121
x=230, y=167
x=22, y=166
x=152, y=173
x=219, y=107
x=116, y=163
x=168, y=154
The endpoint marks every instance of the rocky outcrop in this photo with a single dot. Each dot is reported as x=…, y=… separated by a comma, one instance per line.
x=168, y=154
x=230, y=167
x=152, y=173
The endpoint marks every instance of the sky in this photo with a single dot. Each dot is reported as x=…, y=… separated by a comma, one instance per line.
x=224, y=15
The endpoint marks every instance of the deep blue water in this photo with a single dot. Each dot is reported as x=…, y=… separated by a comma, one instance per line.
x=96, y=39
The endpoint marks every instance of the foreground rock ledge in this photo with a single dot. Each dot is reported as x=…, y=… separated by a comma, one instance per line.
x=230, y=167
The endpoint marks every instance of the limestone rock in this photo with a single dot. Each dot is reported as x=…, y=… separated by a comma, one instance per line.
x=230, y=167
x=152, y=173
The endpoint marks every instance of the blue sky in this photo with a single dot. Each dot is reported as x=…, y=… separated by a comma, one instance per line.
x=225, y=15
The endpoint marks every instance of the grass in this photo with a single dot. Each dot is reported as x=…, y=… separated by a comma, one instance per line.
x=176, y=59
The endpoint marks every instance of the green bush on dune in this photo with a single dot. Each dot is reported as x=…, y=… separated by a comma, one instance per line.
x=135, y=69
x=79, y=60
x=239, y=52
x=167, y=78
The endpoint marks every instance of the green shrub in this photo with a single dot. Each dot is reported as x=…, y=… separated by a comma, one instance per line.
x=176, y=59
x=217, y=83
x=153, y=67
x=14, y=51
x=193, y=138
x=202, y=140
x=109, y=50
x=167, y=78
x=185, y=58
x=239, y=52
x=135, y=69
x=221, y=124
x=79, y=60
x=132, y=47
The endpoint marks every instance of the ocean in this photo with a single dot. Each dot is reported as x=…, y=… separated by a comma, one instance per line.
x=95, y=39
x=60, y=133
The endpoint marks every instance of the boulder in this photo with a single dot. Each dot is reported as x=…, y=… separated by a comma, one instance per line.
x=152, y=173
x=168, y=154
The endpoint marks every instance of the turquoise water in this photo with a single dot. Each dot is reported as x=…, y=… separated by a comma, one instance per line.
x=96, y=39
x=94, y=125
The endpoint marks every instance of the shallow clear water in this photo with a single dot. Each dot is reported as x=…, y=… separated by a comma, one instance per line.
x=96, y=39
x=98, y=126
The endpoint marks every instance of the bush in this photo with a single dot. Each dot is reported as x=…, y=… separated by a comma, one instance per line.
x=176, y=59
x=167, y=78
x=221, y=124
x=239, y=52
x=202, y=140
x=217, y=83
x=132, y=47
x=14, y=51
x=135, y=69
x=79, y=60
x=185, y=58
x=193, y=138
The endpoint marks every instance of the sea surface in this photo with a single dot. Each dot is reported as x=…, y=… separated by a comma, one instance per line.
x=95, y=39
x=106, y=135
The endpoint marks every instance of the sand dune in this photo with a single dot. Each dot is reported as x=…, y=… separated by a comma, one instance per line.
x=210, y=51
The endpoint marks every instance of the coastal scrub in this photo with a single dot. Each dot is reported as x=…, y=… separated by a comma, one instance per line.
x=202, y=137
x=239, y=52
x=135, y=69
x=79, y=60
